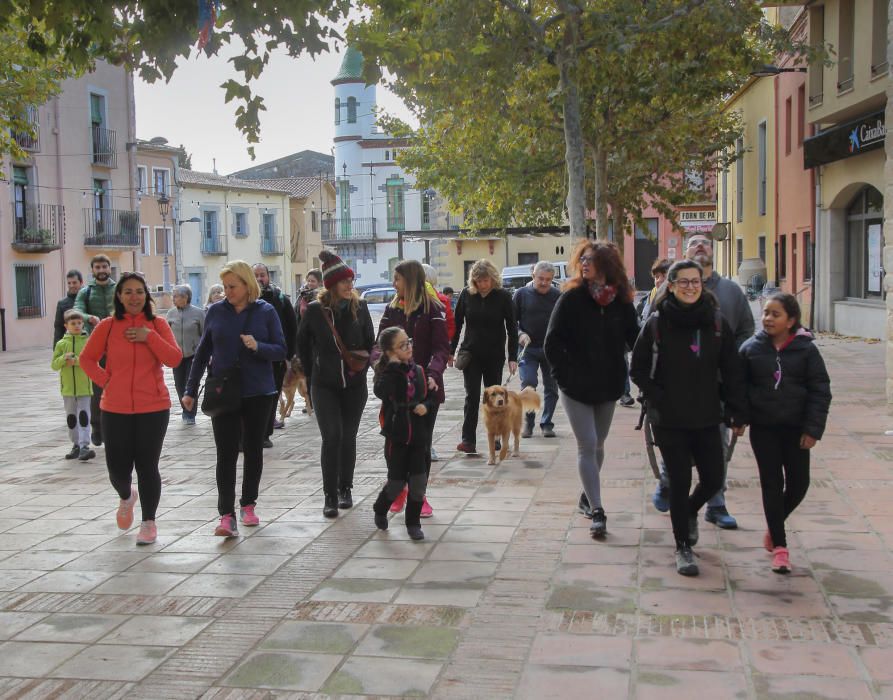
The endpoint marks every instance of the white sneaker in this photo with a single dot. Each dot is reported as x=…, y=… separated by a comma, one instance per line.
x=434, y=457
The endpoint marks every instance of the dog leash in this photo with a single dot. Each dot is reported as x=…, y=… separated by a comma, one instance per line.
x=511, y=375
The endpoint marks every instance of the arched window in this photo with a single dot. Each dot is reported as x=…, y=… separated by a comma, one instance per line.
x=865, y=245
x=337, y=111
x=351, y=110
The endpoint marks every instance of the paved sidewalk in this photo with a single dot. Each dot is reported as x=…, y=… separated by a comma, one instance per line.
x=507, y=597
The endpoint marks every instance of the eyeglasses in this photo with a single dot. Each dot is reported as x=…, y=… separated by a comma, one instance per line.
x=405, y=345
x=686, y=282
x=587, y=259
x=698, y=241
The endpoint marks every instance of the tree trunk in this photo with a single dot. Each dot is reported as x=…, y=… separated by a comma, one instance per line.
x=600, y=160
x=574, y=155
x=617, y=217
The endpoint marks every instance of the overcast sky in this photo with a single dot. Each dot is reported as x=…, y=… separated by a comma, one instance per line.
x=299, y=100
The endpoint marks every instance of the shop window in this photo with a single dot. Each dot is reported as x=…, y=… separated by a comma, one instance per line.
x=29, y=291
x=865, y=245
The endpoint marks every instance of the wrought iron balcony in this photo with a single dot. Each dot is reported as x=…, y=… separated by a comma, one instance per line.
x=214, y=245
x=271, y=245
x=24, y=140
x=111, y=228
x=105, y=151
x=348, y=230
x=39, y=228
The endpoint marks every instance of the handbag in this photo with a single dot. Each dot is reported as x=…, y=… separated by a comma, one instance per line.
x=462, y=360
x=356, y=360
x=223, y=392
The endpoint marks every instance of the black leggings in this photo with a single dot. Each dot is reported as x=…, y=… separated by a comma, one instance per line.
x=181, y=374
x=406, y=465
x=278, y=378
x=134, y=440
x=338, y=413
x=784, y=475
x=488, y=370
x=680, y=448
x=247, y=425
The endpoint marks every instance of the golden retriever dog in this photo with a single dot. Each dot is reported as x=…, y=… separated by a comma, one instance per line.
x=295, y=380
x=503, y=413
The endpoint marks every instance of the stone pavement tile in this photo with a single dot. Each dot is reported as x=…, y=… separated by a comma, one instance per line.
x=454, y=571
x=685, y=602
x=236, y=563
x=802, y=658
x=67, y=581
x=113, y=662
x=580, y=650
x=861, y=584
x=752, y=557
x=884, y=692
x=396, y=549
x=8, y=523
x=851, y=560
x=276, y=546
x=800, y=581
x=301, y=530
x=204, y=542
x=14, y=578
x=781, y=604
x=20, y=541
x=688, y=654
x=668, y=684
x=664, y=576
x=156, y=630
x=11, y=623
x=460, y=595
x=497, y=503
x=43, y=526
x=452, y=503
x=813, y=523
x=108, y=561
x=538, y=682
x=421, y=642
x=172, y=562
x=879, y=663
x=596, y=553
x=398, y=532
x=395, y=569
x=317, y=637
x=809, y=687
x=63, y=627
x=34, y=560
x=356, y=590
x=35, y=659
x=383, y=676
x=141, y=583
x=621, y=575
x=839, y=540
x=217, y=585
x=590, y=595
x=468, y=551
x=489, y=517
x=868, y=609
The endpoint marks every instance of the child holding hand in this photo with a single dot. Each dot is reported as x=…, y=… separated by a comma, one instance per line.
x=75, y=385
x=403, y=389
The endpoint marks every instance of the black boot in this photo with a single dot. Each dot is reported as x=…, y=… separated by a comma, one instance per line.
x=529, y=420
x=381, y=507
x=330, y=509
x=344, y=499
x=413, y=519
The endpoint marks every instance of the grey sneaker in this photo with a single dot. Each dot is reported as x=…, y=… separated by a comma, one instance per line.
x=548, y=432
x=86, y=453
x=685, y=561
x=599, y=527
x=693, y=530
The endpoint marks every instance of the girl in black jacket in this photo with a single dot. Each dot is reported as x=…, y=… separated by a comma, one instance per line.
x=789, y=392
x=405, y=401
x=687, y=366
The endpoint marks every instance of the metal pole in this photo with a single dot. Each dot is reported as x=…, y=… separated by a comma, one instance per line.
x=165, y=265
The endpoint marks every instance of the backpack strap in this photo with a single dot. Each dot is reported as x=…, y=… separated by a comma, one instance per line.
x=654, y=327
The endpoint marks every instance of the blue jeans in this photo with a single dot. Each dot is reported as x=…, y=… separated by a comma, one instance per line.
x=532, y=360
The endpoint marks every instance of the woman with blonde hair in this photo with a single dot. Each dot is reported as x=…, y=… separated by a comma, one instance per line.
x=241, y=331
x=486, y=311
x=335, y=333
x=420, y=314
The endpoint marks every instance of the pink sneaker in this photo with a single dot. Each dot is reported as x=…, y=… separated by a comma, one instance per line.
x=400, y=501
x=427, y=510
x=781, y=562
x=767, y=542
x=248, y=516
x=227, y=527
x=148, y=532
x=124, y=516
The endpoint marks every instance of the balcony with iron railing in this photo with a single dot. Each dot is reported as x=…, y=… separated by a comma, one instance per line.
x=348, y=230
x=213, y=245
x=105, y=151
x=111, y=228
x=39, y=228
x=29, y=141
x=271, y=245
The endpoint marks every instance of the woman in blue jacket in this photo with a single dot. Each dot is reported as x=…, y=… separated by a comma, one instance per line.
x=789, y=393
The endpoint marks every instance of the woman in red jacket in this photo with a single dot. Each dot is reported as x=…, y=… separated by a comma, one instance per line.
x=136, y=402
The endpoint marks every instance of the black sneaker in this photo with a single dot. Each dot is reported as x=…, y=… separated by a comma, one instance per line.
x=548, y=432
x=267, y=443
x=599, y=527
x=693, y=530
x=96, y=438
x=344, y=499
x=75, y=452
x=583, y=506
x=685, y=561
x=381, y=521
x=86, y=453
x=627, y=401
x=330, y=509
x=415, y=532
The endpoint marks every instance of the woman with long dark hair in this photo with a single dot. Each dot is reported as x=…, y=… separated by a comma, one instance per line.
x=592, y=325
x=686, y=364
x=420, y=313
x=136, y=404
x=333, y=326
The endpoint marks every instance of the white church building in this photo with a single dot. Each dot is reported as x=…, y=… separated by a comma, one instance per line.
x=375, y=198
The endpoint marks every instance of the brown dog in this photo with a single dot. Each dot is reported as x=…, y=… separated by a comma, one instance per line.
x=503, y=413
x=295, y=380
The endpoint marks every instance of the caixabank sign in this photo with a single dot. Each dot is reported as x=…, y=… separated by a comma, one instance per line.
x=845, y=140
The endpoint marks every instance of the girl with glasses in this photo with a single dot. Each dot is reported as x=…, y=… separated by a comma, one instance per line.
x=684, y=348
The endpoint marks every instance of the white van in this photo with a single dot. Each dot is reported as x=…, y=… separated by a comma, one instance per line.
x=516, y=276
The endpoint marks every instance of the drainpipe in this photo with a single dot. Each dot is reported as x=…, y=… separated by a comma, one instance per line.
x=813, y=243
x=777, y=158
x=60, y=179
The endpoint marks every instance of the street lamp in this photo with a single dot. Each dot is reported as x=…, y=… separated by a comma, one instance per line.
x=767, y=71
x=164, y=208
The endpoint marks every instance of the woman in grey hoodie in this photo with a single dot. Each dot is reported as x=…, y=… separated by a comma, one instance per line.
x=187, y=322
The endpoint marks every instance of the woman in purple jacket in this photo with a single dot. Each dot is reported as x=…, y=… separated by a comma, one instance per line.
x=417, y=310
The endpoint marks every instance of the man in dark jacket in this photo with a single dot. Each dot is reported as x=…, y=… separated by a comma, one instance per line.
x=274, y=296
x=533, y=308
x=74, y=280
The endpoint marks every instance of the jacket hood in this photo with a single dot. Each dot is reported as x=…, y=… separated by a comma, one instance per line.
x=802, y=337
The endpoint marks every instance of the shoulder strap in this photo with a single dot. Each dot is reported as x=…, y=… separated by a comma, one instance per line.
x=654, y=327
x=87, y=297
x=717, y=324
x=330, y=319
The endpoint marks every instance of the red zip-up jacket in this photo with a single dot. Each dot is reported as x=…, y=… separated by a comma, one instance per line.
x=133, y=380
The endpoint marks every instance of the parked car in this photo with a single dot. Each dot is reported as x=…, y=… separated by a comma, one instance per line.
x=516, y=276
x=377, y=298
